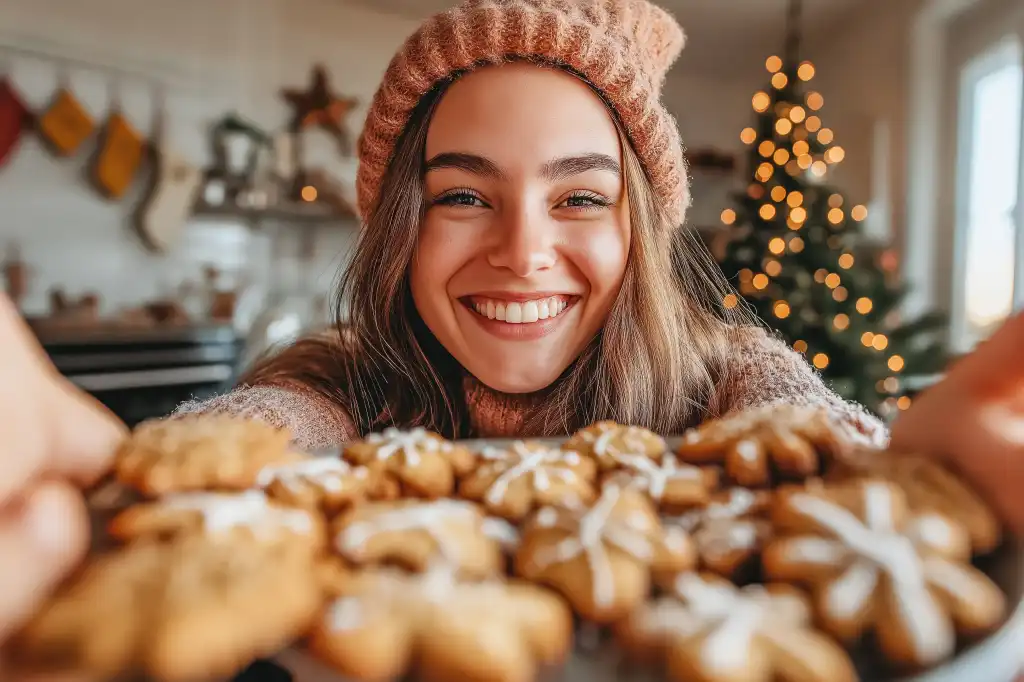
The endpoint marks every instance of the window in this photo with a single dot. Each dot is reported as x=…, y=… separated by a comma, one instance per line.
x=989, y=240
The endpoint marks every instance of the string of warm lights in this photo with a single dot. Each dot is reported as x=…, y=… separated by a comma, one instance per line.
x=799, y=122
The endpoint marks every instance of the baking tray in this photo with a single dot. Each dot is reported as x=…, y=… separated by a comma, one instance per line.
x=998, y=658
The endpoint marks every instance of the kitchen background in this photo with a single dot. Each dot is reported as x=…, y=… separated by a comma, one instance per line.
x=177, y=196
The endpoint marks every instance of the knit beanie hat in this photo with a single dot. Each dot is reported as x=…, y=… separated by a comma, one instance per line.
x=624, y=48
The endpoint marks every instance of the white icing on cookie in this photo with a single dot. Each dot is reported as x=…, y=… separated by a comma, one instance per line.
x=880, y=549
x=250, y=509
x=748, y=451
x=541, y=464
x=645, y=474
x=346, y=613
x=594, y=529
x=326, y=472
x=933, y=531
x=412, y=443
x=631, y=441
x=501, y=530
x=444, y=520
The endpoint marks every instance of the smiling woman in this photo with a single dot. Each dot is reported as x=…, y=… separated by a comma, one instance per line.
x=522, y=270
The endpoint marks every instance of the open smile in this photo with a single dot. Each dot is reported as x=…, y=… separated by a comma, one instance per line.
x=519, y=316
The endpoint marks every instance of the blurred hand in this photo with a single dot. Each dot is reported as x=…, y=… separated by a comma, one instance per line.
x=55, y=440
x=974, y=420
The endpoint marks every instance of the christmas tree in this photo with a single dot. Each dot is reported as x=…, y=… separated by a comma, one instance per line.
x=798, y=257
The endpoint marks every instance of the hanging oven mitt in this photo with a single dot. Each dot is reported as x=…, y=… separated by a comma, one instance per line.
x=119, y=158
x=163, y=216
x=66, y=124
x=13, y=115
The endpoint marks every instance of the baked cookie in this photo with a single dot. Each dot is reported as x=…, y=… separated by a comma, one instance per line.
x=200, y=452
x=178, y=611
x=873, y=565
x=601, y=557
x=514, y=481
x=388, y=625
x=709, y=630
x=415, y=463
x=247, y=514
x=730, y=532
x=328, y=483
x=606, y=441
x=672, y=485
x=787, y=440
x=929, y=486
x=417, y=534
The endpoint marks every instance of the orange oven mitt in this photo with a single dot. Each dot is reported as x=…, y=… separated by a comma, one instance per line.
x=119, y=158
x=66, y=124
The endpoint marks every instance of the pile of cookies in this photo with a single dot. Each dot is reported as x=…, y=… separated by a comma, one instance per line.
x=762, y=546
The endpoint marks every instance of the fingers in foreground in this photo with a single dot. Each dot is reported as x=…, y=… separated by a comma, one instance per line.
x=41, y=541
x=995, y=370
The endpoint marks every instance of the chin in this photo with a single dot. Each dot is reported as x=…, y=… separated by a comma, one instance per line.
x=516, y=382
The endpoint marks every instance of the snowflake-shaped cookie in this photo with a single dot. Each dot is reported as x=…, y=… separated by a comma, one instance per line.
x=248, y=514
x=672, y=485
x=418, y=534
x=730, y=532
x=607, y=441
x=713, y=631
x=420, y=463
x=787, y=440
x=514, y=481
x=388, y=625
x=601, y=557
x=328, y=483
x=874, y=566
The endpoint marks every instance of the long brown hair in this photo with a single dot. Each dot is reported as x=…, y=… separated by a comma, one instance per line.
x=656, y=362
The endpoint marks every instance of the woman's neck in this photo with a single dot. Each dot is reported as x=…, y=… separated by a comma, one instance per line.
x=494, y=414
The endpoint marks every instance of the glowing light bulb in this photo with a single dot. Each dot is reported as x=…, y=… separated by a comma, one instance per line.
x=778, y=193
x=835, y=216
x=864, y=305
x=835, y=200
x=773, y=63
x=798, y=215
x=841, y=321
x=766, y=148
x=835, y=154
x=767, y=211
x=777, y=245
x=896, y=363
x=846, y=261
x=832, y=280
x=765, y=171
x=730, y=301
x=891, y=384
x=796, y=245
x=800, y=346
x=867, y=338
x=308, y=193
x=820, y=274
x=779, y=80
x=880, y=342
x=781, y=310
x=760, y=281
x=795, y=198
x=783, y=126
x=820, y=360
x=825, y=136
x=859, y=212
x=797, y=114
x=761, y=101
x=815, y=101
x=805, y=71
x=904, y=402
x=804, y=161
x=818, y=168
x=800, y=148
x=781, y=157
x=773, y=268
x=813, y=124
x=728, y=216
x=840, y=294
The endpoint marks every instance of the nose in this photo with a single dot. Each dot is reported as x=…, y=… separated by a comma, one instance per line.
x=526, y=242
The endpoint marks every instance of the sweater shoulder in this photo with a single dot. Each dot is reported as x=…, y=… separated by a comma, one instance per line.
x=764, y=370
x=315, y=422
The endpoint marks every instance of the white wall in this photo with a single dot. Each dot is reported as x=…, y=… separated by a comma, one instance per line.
x=214, y=56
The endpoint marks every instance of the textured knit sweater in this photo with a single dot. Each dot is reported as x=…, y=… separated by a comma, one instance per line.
x=764, y=372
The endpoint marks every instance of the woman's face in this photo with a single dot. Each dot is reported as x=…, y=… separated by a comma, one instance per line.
x=523, y=246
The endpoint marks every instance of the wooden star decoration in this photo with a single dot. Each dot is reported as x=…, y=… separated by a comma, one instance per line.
x=319, y=107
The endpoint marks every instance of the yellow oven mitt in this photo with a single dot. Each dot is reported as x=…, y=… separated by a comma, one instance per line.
x=119, y=158
x=66, y=124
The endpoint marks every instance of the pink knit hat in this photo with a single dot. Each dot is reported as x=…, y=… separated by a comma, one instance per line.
x=624, y=48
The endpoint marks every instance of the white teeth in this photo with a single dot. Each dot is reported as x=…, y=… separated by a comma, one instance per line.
x=524, y=312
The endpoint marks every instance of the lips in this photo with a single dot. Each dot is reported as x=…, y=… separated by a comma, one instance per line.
x=525, y=311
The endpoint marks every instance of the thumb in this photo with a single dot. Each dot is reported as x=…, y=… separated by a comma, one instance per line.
x=84, y=435
x=995, y=370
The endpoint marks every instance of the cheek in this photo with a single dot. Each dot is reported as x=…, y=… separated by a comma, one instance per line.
x=601, y=257
x=438, y=256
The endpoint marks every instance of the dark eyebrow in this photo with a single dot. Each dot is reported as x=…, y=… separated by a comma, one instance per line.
x=567, y=166
x=471, y=163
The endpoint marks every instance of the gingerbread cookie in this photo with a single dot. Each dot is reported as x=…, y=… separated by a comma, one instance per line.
x=178, y=611
x=929, y=486
x=730, y=532
x=512, y=482
x=328, y=483
x=388, y=625
x=713, y=631
x=200, y=452
x=786, y=440
x=606, y=441
x=418, y=463
x=873, y=565
x=418, y=534
x=672, y=485
x=601, y=557
x=248, y=514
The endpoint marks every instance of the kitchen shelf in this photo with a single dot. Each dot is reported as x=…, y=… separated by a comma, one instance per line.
x=302, y=213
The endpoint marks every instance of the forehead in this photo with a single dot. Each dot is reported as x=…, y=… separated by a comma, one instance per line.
x=521, y=114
